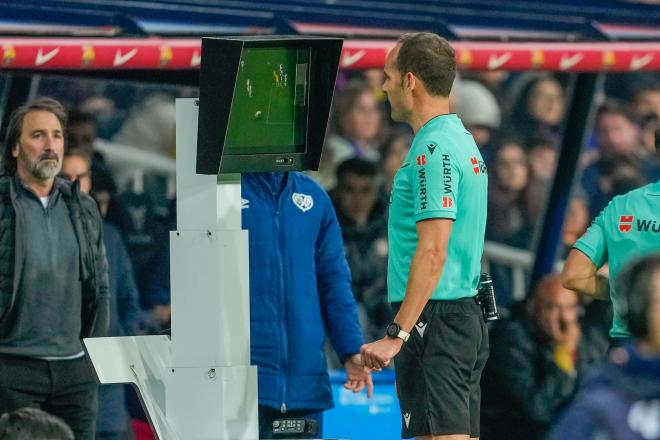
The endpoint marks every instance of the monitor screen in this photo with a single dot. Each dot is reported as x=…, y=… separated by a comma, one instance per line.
x=269, y=105
x=264, y=102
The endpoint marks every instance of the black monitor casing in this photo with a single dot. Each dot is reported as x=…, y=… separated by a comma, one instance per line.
x=219, y=69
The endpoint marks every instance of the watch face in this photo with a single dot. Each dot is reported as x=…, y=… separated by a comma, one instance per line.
x=393, y=330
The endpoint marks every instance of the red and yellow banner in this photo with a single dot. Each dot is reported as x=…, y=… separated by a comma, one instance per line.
x=177, y=53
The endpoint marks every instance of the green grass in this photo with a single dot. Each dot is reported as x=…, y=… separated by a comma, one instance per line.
x=264, y=115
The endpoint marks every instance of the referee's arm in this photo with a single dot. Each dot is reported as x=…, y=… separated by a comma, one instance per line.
x=581, y=275
x=590, y=252
x=425, y=269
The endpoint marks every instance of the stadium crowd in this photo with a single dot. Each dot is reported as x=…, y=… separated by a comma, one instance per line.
x=516, y=121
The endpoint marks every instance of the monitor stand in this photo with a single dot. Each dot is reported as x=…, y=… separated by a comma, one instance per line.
x=197, y=384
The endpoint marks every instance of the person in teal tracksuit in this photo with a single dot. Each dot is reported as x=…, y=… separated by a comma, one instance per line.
x=629, y=227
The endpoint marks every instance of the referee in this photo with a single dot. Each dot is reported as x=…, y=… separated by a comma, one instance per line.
x=436, y=236
x=627, y=228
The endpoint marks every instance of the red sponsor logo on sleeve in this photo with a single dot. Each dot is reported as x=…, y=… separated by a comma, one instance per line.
x=447, y=202
x=421, y=159
x=475, y=165
x=625, y=223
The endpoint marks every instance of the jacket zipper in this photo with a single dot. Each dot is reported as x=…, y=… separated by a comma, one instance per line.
x=47, y=218
x=283, y=323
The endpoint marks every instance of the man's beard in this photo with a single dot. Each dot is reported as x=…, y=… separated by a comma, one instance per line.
x=45, y=167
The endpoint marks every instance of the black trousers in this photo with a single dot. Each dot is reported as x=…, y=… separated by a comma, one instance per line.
x=66, y=389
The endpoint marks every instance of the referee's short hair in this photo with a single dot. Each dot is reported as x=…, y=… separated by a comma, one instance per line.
x=430, y=58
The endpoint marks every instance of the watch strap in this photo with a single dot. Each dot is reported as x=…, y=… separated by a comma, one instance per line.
x=403, y=335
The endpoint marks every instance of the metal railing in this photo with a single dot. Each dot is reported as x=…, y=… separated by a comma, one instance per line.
x=520, y=262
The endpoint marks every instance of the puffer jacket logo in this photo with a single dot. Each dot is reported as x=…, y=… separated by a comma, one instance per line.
x=304, y=202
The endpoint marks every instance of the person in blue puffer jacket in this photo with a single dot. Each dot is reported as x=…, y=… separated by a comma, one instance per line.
x=300, y=287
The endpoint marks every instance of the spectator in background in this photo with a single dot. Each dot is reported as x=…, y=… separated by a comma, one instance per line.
x=113, y=420
x=508, y=218
x=617, y=131
x=76, y=168
x=618, y=176
x=648, y=125
x=53, y=274
x=356, y=130
x=392, y=154
x=479, y=111
x=33, y=424
x=104, y=192
x=542, y=155
x=622, y=157
x=619, y=401
x=535, y=364
x=646, y=101
x=374, y=79
x=362, y=214
x=107, y=116
x=81, y=134
x=537, y=110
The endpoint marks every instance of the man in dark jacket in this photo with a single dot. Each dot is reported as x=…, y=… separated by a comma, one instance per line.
x=362, y=213
x=535, y=364
x=53, y=274
x=621, y=399
x=300, y=286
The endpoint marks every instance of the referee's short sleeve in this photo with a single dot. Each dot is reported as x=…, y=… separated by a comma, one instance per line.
x=435, y=183
x=594, y=242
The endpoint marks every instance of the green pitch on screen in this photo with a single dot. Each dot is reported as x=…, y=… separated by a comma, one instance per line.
x=269, y=106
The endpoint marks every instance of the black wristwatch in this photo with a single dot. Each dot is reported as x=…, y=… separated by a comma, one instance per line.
x=394, y=331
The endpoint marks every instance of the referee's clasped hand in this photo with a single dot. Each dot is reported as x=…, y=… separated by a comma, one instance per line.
x=378, y=354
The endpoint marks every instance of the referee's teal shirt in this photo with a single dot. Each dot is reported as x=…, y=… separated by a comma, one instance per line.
x=628, y=227
x=443, y=176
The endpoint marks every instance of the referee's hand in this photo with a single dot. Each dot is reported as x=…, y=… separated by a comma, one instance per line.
x=378, y=354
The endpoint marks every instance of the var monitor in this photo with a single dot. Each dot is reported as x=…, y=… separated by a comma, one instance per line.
x=264, y=102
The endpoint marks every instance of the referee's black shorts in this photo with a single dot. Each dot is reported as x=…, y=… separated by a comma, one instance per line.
x=438, y=370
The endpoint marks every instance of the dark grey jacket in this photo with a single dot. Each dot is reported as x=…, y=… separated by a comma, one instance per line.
x=93, y=266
